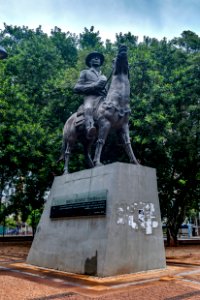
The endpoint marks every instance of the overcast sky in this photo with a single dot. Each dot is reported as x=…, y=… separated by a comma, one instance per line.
x=154, y=18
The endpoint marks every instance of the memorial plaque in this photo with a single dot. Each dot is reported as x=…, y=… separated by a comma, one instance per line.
x=76, y=205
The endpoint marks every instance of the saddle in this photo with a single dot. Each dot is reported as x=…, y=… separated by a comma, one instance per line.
x=109, y=107
x=80, y=116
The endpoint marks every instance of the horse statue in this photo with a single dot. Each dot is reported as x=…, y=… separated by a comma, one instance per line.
x=111, y=113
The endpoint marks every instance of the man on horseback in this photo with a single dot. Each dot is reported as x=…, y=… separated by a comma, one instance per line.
x=91, y=84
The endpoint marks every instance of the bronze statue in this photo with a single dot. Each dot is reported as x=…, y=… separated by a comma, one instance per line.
x=91, y=84
x=98, y=114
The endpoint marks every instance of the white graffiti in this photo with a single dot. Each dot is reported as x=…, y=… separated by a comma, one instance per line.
x=138, y=216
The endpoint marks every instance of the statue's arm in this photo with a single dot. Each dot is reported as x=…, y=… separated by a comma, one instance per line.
x=82, y=86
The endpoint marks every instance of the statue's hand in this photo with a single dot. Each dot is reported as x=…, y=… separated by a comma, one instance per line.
x=101, y=82
x=103, y=77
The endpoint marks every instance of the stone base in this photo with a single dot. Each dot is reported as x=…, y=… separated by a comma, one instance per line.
x=128, y=239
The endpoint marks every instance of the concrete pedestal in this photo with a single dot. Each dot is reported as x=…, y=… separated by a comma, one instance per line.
x=127, y=239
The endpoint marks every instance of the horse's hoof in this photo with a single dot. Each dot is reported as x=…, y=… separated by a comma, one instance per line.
x=135, y=162
x=98, y=164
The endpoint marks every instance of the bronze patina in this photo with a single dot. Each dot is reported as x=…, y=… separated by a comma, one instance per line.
x=101, y=110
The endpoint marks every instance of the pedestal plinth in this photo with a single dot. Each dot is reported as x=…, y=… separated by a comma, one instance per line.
x=103, y=222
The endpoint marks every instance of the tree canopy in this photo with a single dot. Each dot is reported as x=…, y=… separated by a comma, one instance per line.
x=36, y=98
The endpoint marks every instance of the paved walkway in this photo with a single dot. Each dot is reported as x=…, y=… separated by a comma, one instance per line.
x=20, y=281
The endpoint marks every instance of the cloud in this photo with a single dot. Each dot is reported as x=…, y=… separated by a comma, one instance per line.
x=180, y=16
x=155, y=18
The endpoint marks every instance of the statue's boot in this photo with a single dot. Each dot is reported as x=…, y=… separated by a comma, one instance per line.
x=89, y=125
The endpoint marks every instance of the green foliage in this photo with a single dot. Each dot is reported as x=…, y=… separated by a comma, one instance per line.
x=66, y=44
x=34, y=218
x=189, y=41
x=127, y=39
x=36, y=98
x=90, y=39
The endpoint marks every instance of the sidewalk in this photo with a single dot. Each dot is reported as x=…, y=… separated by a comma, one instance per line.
x=19, y=281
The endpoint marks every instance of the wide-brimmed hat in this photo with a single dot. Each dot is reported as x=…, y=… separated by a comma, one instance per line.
x=94, y=54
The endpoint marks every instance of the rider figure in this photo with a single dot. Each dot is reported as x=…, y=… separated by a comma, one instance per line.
x=91, y=84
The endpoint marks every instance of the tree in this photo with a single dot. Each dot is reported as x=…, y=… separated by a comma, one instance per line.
x=66, y=43
x=90, y=39
x=36, y=98
x=127, y=38
x=26, y=145
x=189, y=41
x=165, y=125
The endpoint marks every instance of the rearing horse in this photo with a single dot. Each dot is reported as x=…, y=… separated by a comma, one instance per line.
x=113, y=112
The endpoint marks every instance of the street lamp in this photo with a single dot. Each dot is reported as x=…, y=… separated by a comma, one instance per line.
x=3, y=53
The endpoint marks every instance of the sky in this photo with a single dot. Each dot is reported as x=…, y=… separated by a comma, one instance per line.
x=153, y=18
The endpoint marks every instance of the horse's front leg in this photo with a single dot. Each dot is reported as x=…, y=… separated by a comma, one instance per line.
x=66, y=158
x=104, y=128
x=124, y=134
x=87, y=150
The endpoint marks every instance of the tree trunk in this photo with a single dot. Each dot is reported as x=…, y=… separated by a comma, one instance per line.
x=33, y=223
x=172, y=240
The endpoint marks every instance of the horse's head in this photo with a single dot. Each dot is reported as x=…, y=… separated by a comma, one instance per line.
x=120, y=64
